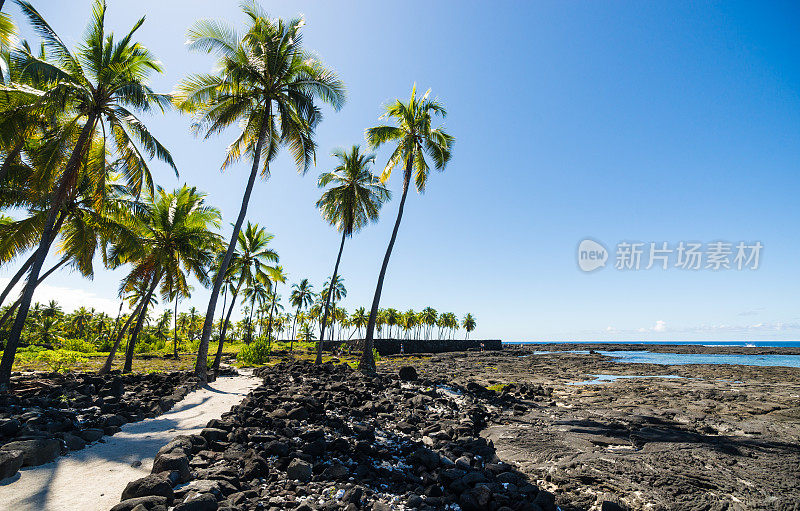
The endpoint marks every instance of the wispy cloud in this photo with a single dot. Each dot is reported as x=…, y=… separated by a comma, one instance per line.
x=68, y=298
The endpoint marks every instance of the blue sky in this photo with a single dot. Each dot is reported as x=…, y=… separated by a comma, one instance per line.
x=670, y=121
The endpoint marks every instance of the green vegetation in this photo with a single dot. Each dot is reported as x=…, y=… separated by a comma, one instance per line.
x=75, y=181
x=498, y=387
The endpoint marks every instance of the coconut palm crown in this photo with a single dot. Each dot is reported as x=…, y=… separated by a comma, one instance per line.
x=267, y=83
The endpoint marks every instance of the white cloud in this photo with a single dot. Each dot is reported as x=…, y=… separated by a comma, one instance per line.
x=660, y=326
x=68, y=298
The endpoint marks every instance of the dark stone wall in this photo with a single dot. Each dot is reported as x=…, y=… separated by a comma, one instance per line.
x=392, y=346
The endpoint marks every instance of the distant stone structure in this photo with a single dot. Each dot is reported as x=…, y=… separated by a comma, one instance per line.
x=394, y=346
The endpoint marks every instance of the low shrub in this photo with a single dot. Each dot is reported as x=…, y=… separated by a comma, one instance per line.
x=498, y=387
x=61, y=360
x=78, y=345
x=255, y=353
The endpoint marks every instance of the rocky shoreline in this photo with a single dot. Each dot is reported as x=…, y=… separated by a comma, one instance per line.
x=708, y=437
x=327, y=437
x=43, y=416
x=507, y=430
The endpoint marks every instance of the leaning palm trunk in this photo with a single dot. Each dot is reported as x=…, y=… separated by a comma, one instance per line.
x=138, y=327
x=28, y=263
x=294, y=326
x=110, y=358
x=17, y=276
x=175, y=330
x=116, y=321
x=202, y=351
x=367, y=364
x=328, y=300
x=218, y=356
x=56, y=205
x=269, y=327
x=16, y=304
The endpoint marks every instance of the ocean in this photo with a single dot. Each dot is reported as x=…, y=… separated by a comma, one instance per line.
x=648, y=357
x=755, y=344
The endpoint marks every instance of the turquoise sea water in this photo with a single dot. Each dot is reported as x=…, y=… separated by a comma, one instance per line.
x=647, y=357
x=758, y=344
x=703, y=358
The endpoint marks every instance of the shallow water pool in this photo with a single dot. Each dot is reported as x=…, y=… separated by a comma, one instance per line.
x=604, y=378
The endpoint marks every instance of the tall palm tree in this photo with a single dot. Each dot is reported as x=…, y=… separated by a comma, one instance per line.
x=175, y=237
x=468, y=324
x=134, y=294
x=268, y=83
x=415, y=138
x=302, y=296
x=429, y=316
x=392, y=319
x=353, y=200
x=359, y=319
x=93, y=88
x=250, y=263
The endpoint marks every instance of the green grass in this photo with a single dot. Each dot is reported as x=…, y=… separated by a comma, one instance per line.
x=34, y=358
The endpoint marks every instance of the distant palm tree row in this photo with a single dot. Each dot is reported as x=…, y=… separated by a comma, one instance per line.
x=76, y=161
x=263, y=320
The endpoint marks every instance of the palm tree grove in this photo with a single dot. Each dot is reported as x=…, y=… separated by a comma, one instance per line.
x=245, y=267
x=77, y=186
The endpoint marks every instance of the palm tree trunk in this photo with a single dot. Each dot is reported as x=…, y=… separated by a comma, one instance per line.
x=14, y=306
x=116, y=321
x=175, y=330
x=328, y=300
x=218, y=356
x=271, y=311
x=110, y=358
x=294, y=326
x=48, y=235
x=138, y=327
x=250, y=322
x=202, y=351
x=367, y=364
x=16, y=277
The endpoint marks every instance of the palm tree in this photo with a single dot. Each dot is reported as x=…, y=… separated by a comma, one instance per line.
x=175, y=237
x=266, y=82
x=468, y=324
x=429, y=317
x=249, y=264
x=415, y=137
x=302, y=296
x=306, y=333
x=359, y=319
x=162, y=326
x=279, y=277
x=258, y=293
x=392, y=318
x=93, y=89
x=353, y=200
x=134, y=293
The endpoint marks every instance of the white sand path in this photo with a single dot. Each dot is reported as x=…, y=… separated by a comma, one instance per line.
x=93, y=478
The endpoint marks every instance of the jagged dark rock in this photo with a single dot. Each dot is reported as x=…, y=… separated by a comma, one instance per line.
x=312, y=434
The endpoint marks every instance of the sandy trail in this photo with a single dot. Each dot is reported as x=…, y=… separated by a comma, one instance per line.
x=93, y=478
